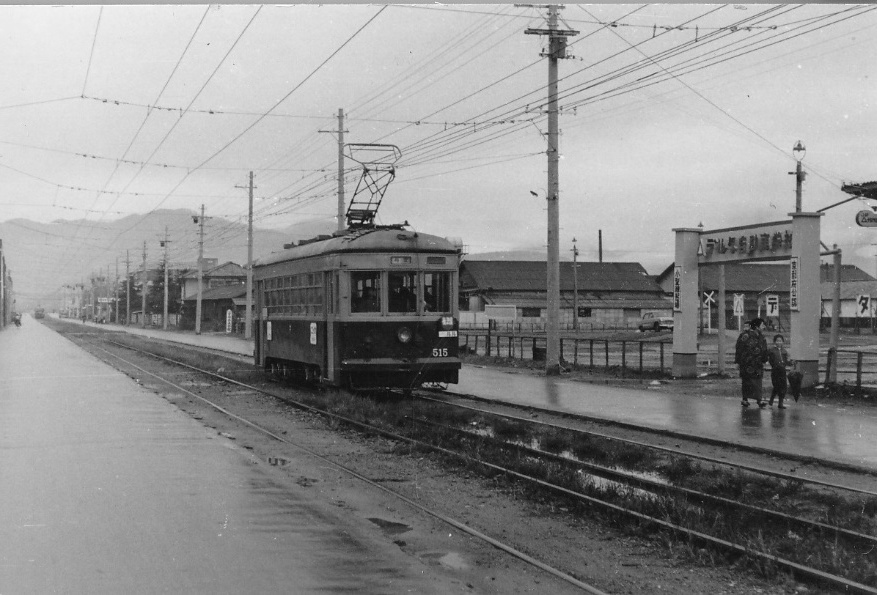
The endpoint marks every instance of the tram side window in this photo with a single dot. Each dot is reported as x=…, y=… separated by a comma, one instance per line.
x=365, y=288
x=436, y=292
x=402, y=296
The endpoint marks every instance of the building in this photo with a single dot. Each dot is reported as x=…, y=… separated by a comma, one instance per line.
x=755, y=282
x=212, y=275
x=852, y=311
x=215, y=305
x=608, y=293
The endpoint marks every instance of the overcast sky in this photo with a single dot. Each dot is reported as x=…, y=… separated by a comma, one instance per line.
x=673, y=115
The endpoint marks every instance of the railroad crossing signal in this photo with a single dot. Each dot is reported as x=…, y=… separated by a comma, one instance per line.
x=709, y=297
x=773, y=306
x=863, y=306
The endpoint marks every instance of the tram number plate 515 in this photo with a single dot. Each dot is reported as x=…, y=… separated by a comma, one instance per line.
x=443, y=352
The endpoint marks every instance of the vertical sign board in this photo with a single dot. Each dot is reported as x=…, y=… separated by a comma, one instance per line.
x=739, y=309
x=677, y=289
x=793, y=283
x=863, y=306
x=229, y=316
x=773, y=306
x=313, y=333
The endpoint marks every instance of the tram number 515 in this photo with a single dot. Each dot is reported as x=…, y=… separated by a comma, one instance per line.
x=443, y=352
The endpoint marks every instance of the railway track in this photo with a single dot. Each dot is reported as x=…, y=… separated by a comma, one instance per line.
x=800, y=570
x=450, y=521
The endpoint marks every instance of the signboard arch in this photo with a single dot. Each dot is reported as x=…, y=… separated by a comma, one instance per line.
x=795, y=240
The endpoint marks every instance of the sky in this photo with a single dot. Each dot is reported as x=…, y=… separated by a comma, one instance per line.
x=671, y=116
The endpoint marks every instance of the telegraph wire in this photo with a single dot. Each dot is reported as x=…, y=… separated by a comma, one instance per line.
x=91, y=54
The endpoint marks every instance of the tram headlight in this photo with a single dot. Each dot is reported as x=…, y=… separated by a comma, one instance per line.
x=404, y=334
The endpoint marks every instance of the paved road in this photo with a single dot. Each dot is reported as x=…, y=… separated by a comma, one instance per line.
x=107, y=488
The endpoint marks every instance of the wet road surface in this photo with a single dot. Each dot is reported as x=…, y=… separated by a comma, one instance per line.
x=107, y=488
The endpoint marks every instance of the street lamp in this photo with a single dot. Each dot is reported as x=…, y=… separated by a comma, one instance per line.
x=798, y=152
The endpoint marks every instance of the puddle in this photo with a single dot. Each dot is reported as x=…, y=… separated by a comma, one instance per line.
x=390, y=527
x=278, y=461
x=451, y=560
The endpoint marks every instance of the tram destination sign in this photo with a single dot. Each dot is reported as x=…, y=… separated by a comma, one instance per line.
x=765, y=241
x=866, y=219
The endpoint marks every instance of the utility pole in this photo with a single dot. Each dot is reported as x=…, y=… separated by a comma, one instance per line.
x=248, y=317
x=143, y=292
x=164, y=312
x=340, y=169
x=116, y=294
x=575, y=285
x=556, y=51
x=798, y=151
x=341, y=219
x=200, y=221
x=128, y=288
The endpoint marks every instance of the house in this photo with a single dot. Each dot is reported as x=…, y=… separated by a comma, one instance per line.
x=215, y=305
x=754, y=282
x=610, y=293
x=212, y=275
x=852, y=312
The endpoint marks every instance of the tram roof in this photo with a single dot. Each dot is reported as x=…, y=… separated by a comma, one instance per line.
x=392, y=239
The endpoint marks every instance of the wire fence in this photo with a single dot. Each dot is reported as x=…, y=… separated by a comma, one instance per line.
x=626, y=355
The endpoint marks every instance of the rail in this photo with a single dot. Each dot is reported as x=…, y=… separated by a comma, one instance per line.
x=624, y=354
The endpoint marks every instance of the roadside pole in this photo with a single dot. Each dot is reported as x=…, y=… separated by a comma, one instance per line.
x=721, y=319
x=200, y=271
x=127, y=288
x=556, y=51
x=164, y=313
x=143, y=291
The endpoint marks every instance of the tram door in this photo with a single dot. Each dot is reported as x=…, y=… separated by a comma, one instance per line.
x=259, y=334
x=330, y=280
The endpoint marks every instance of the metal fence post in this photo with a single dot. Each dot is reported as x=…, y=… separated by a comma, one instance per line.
x=623, y=356
x=662, y=356
x=591, y=352
x=607, y=354
x=859, y=373
x=640, y=357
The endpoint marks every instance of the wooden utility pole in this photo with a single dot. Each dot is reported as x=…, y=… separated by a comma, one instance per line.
x=575, y=285
x=200, y=221
x=342, y=223
x=248, y=316
x=556, y=51
x=164, y=312
x=116, y=294
x=128, y=288
x=143, y=291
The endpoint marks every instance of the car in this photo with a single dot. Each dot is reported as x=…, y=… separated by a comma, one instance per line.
x=652, y=321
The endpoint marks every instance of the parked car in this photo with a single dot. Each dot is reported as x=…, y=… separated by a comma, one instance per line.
x=651, y=321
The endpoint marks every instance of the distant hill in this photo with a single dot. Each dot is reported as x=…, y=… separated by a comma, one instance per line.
x=42, y=257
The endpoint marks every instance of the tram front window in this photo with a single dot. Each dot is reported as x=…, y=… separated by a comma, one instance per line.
x=437, y=292
x=402, y=298
x=365, y=288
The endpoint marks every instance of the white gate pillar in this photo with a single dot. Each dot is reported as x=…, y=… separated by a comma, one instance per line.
x=685, y=302
x=805, y=295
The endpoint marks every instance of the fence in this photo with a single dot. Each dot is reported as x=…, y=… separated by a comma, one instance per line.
x=626, y=355
x=854, y=367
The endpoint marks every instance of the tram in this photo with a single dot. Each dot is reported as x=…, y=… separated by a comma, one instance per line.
x=370, y=307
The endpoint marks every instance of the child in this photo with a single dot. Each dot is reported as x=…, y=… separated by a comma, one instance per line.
x=779, y=361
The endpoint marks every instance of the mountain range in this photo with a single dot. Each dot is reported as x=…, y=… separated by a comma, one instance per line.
x=43, y=257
